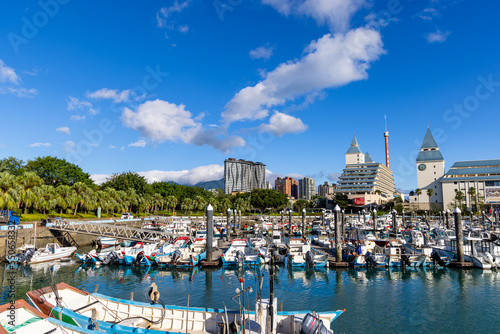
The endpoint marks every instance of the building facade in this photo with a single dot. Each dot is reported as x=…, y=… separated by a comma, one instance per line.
x=477, y=181
x=326, y=189
x=307, y=188
x=364, y=181
x=430, y=171
x=243, y=176
x=287, y=186
x=269, y=185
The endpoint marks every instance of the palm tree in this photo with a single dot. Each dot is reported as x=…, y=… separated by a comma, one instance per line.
x=46, y=199
x=66, y=197
x=28, y=181
x=418, y=192
x=430, y=193
x=81, y=194
x=187, y=204
x=472, y=193
x=459, y=196
x=157, y=200
x=172, y=202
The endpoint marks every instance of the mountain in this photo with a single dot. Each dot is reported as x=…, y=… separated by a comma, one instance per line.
x=216, y=184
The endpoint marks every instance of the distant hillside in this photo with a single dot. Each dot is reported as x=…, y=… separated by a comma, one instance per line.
x=217, y=184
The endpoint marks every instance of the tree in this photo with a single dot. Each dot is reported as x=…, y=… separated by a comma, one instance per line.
x=459, y=196
x=187, y=204
x=472, y=193
x=342, y=200
x=418, y=192
x=128, y=180
x=56, y=171
x=171, y=202
x=412, y=193
x=82, y=194
x=263, y=199
x=28, y=181
x=13, y=165
x=300, y=204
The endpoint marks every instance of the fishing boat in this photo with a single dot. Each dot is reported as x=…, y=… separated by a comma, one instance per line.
x=186, y=256
x=240, y=253
x=301, y=254
x=50, y=252
x=126, y=316
x=22, y=318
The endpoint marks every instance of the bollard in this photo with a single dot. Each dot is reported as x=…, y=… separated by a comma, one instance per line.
x=304, y=222
x=448, y=224
x=228, y=219
x=290, y=220
x=343, y=223
x=210, y=231
x=338, y=250
x=459, y=235
x=394, y=222
x=375, y=223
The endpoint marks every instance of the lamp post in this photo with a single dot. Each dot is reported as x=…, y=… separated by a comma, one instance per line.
x=338, y=250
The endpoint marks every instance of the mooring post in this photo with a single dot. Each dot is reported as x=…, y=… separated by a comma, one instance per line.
x=459, y=235
x=323, y=217
x=448, y=224
x=364, y=217
x=375, y=222
x=394, y=221
x=304, y=222
x=228, y=224
x=403, y=219
x=343, y=224
x=282, y=212
x=338, y=249
x=210, y=231
x=239, y=214
x=290, y=220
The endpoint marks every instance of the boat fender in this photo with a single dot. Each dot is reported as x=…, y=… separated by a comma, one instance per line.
x=153, y=293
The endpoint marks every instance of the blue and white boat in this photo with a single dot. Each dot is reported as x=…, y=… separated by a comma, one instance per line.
x=301, y=254
x=240, y=253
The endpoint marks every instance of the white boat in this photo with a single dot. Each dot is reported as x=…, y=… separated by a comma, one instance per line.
x=50, y=252
x=240, y=253
x=22, y=318
x=300, y=254
x=78, y=307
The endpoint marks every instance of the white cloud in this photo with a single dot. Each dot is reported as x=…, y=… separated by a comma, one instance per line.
x=280, y=123
x=112, y=94
x=333, y=177
x=69, y=146
x=77, y=118
x=77, y=104
x=160, y=121
x=139, y=143
x=184, y=29
x=189, y=177
x=40, y=145
x=166, y=12
x=438, y=36
x=331, y=61
x=262, y=52
x=10, y=81
x=336, y=13
x=112, y=146
x=19, y=91
x=8, y=75
x=63, y=129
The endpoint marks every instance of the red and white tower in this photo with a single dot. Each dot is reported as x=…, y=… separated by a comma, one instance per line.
x=386, y=136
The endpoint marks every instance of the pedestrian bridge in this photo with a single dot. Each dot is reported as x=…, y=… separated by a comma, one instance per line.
x=112, y=231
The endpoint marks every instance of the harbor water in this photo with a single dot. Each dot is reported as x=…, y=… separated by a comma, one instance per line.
x=414, y=300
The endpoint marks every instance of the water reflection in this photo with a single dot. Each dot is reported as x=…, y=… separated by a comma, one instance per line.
x=399, y=300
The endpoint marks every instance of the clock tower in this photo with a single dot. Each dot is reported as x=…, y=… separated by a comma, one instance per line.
x=430, y=170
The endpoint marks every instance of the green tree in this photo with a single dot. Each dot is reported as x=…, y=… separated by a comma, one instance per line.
x=472, y=193
x=263, y=199
x=128, y=180
x=342, y=200
x=13, y=165
x=300, y=204
x=28, y=181
x=459, y=196
x=418, y=192
x=55, y=171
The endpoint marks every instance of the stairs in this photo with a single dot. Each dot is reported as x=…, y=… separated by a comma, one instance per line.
x=64, y=238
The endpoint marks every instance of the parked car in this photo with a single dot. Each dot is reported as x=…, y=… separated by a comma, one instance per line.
x=127, y=216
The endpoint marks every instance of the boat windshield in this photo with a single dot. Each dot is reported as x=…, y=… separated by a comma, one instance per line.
x=451, y=233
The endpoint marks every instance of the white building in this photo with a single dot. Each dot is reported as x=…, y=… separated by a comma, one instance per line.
x=430, y=171
x=307, y=188
x=364, y=181
x=243, y=176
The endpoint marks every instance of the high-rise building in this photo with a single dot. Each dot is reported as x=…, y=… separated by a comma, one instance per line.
x=307, y=188
x=326, y=189
x=243, y=176
x=364, y=181
x=287, y=186
x=269, y=185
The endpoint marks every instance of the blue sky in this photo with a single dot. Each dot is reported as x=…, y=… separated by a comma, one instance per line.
x=172, y=88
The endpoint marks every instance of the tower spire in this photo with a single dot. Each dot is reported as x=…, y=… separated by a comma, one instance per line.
x=386, y=136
